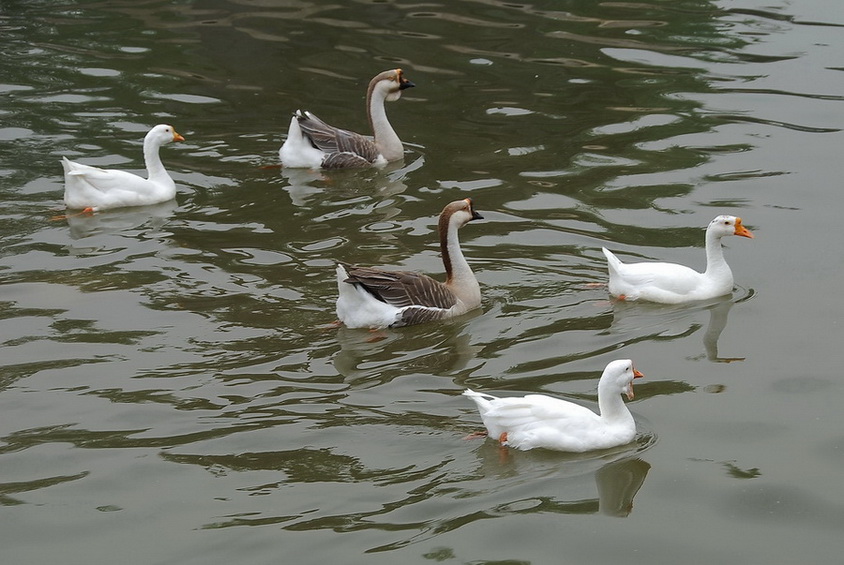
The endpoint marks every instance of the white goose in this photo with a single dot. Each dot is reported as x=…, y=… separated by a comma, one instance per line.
x=372, y=298
x=537, y=420
x=670, y=283
x=313, y=144
x=95, y=189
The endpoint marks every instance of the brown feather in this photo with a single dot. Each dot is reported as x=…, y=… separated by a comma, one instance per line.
x=336, y=142
x=401, y=288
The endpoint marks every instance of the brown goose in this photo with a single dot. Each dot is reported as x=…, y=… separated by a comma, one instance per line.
x=312, y=143
x=372, y=298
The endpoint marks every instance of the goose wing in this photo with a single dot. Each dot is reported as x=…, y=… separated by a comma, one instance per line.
x=669, y=277
x=103, y=180
x=344, y=161
x=538, y=411
x=402, y=288
x=332, y=140
x=655, y=276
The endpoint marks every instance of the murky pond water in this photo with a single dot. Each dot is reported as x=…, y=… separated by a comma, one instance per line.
x=171, y=388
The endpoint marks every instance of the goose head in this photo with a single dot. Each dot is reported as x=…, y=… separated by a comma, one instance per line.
x=163, y=134
x=390, y=84
x=458, y=213
x=728, y=225
x=618, y=377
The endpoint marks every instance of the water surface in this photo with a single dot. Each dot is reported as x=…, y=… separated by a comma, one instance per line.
x=171, y=389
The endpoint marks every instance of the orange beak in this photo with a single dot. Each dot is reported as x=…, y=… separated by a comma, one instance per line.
x=629, y=391
x=741, y=230
x=177, y=137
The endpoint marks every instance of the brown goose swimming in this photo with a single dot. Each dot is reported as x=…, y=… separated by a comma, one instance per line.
x=373, y=298
x=313, y=144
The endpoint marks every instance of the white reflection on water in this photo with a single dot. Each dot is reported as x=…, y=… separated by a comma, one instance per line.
x=85, y=225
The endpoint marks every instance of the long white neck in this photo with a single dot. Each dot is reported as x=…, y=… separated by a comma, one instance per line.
x=613, y=409
x=155, y=168
x=716, y=265
x=459, y=276
x=386, y=139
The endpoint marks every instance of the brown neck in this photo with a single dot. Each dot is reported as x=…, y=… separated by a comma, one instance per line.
x=369, y=104
x=443, y=229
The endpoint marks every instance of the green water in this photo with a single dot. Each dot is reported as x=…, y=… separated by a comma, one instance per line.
x=171, y=390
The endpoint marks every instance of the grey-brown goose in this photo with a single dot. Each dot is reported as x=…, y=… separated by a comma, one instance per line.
x=312, y=143
x=374, y=298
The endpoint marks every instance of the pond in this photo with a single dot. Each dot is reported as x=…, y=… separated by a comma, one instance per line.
x=173, y=388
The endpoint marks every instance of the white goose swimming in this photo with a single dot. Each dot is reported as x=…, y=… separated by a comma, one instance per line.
x=313, y=144
x=537, y=420
x=670, y=283
x=95, y=189
x=372, y=298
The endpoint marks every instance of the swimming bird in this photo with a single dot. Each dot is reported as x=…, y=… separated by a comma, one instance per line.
x=670, y=283
x=312, y=143
x=95, y=189
x=374, y=298
x=540, y=421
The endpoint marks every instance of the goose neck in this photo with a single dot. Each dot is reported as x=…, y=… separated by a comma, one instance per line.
x=386, y=139
x=611, y=405
x=715, y=261
x=152, y=160
x=453, y=260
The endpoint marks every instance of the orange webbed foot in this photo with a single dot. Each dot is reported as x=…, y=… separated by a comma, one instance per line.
x=503, y=452
x=86, y=212
x=331, y=325
x=375, y=335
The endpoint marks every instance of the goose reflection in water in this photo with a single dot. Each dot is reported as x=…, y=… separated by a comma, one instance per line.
x=306, y=185
x=671, y=322
x=85, y=225
x=437, y=350
x=717, y=322
x=617, y=482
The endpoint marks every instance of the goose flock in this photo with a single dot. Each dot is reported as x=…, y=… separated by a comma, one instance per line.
x=374, y=298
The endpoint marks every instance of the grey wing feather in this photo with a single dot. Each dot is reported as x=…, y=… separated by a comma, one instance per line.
x=419, y=315
x=344, y=161
x=402, y=288
x=332, y=140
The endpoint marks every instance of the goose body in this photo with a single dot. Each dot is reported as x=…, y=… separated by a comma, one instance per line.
x=374, y=298
x=670, y=283
x=312, y=143
x=99, y=189
x=540, y=421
